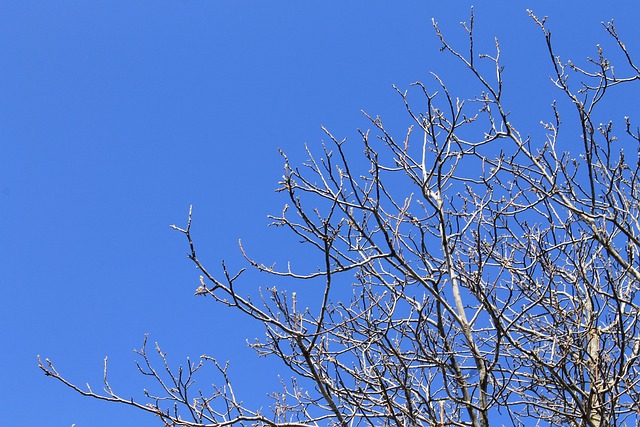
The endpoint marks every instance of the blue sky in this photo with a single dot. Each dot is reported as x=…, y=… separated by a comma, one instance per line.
x=115, y=116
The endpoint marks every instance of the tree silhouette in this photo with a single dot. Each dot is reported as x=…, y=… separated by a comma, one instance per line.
x=492, y=275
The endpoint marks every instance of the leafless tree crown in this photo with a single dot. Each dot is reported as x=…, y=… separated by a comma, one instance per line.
x=491, y=276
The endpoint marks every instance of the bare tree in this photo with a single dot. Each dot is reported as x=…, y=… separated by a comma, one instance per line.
x=491, y=276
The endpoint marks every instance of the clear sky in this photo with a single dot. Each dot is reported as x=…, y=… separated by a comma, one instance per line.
x=116, y=115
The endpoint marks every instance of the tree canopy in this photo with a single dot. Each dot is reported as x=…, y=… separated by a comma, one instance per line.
x=490, y=275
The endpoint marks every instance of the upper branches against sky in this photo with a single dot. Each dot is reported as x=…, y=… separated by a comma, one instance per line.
x=472, y=275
